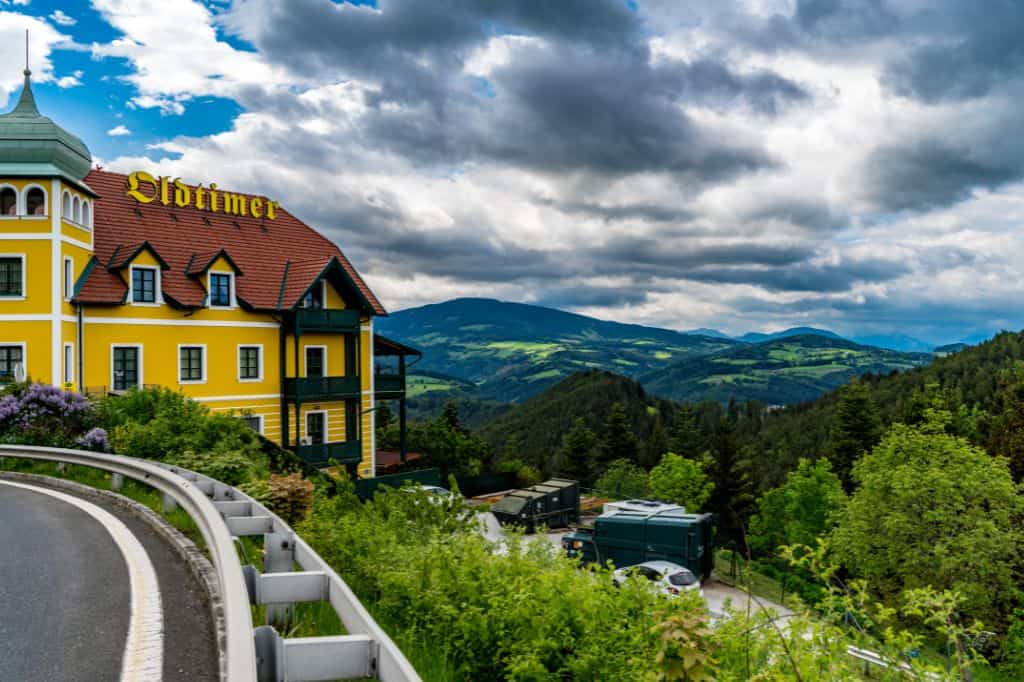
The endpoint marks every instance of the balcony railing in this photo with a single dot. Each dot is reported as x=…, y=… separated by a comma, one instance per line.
x=322, y=388
x=338, y=321
x=388, y=383
x=349, y=452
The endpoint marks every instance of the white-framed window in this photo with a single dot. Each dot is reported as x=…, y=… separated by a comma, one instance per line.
x=69, y=363
x=76, y=211
x=254, y=422
x=12, y=362
x=69, y=278
x=192, y=363
x=316, y=361
x=250, y=363
x=316, y=427
x=144, y=285
x=9, y=201
x=125, y=366
x=12, y=276
x=86, y=215
x=35, y=202
x=221, y=286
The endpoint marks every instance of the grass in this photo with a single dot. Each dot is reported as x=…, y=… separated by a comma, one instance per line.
x=757, y=584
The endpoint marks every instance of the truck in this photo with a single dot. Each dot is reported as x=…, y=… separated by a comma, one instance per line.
x=627, y=537
x=555, y=503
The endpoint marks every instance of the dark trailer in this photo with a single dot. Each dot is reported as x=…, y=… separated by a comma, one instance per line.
x=554, y=503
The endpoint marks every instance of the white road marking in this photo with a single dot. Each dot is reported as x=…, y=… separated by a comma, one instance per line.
x=144, y=648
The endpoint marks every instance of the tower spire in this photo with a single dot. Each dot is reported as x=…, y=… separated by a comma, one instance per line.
x=27, y=103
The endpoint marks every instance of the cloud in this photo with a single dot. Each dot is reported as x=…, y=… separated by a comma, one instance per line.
x=845, y=163
x=61, y=19
x=119, y=131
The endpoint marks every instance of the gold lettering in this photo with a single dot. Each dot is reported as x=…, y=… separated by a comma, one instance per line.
x=165, y=191
x=172, y=191
x=214, y=203
x=182, y=194
x=235, y=204
x=134, y=182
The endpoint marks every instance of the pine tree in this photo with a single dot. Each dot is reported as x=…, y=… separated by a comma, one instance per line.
x=1007, y=431
x=856, y=429
x=656, y=445
x=617, y=438
x=450, y=417
x=686, y=439
x=579, y=448
x=731, y=496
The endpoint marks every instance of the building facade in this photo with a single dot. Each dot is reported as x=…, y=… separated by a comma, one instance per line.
x=111, y=281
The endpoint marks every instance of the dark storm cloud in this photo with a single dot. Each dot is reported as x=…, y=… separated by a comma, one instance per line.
x=929, y=172
x=813, y=214
x=967, y=49
x=592, y=296
x=831, y=278
x=651, y=213
x=653, y=256
x=589, y=101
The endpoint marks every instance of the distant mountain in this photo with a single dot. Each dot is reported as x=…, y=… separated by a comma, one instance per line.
x=511, y=351
x=704, y=331
x=758, y=337
x=949, y=348
x=900, y=342
x=780, y=371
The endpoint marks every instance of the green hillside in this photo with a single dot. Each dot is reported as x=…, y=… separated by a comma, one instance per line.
x=782, y=371
x=511, y=351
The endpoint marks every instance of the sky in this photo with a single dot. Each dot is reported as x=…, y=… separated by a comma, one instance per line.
x=749, y=165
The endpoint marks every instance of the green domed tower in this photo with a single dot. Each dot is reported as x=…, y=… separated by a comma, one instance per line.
x=46, y=242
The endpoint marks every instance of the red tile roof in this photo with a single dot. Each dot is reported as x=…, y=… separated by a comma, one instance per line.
x=263, y=250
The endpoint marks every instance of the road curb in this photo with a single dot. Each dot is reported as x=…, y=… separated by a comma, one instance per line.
x=199, y=566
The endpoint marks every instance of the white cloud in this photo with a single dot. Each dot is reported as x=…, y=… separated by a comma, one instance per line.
x=44, y=38
x=119, y=131
x=62, y=19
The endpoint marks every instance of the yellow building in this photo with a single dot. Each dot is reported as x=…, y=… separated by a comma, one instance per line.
x=109, y=282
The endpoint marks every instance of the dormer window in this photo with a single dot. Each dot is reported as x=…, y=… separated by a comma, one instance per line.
x=221, y=290
x=144, y=285
x=314, y=298
x=35, y=202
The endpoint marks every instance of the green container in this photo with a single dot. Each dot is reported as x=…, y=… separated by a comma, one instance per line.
x=629, y=538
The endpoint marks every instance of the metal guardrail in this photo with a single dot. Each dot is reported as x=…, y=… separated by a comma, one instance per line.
x=223, y=513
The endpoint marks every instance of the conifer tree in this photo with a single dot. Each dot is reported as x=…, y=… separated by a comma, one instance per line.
x=686, y=438
x=617, y=438
x=855, y=429
x=656, y=445
x=579, y=450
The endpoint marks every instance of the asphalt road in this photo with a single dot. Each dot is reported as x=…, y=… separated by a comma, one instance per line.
x=66, y=602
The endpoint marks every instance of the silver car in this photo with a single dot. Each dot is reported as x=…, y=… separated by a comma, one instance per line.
x=664, y=576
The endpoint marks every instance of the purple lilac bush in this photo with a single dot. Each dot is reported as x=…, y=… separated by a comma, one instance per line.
x=40, y=414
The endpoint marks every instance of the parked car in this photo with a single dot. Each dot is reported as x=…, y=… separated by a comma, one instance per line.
x=665, y=576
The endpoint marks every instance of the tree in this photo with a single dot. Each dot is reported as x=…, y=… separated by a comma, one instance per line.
x=685, y=436
x=656, y=445
x=680, y=481
x=855, y=429
x=383, y=419
x=450, y=416
x=805, y=508
x=617, y=438
x=622, y=480
x=728, y=471
x=933, y=511
x=1007, y=432
x=578, y=452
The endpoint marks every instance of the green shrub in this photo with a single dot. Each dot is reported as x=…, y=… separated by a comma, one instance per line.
x=231, y=467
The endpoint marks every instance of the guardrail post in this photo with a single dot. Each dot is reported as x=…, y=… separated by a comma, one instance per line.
x=116, y=481
x=170, y=504
x=279, y=557
x=61, y=467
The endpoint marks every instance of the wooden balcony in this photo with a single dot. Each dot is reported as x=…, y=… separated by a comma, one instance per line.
x=387, y=385
x=348, y=452
x=327, y=321
x=322, y=388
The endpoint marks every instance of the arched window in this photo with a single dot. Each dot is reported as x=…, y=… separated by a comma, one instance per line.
x=78, y=211
x=8, y=202
x=35, y=201
x=86, y=215
x=65, y=206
